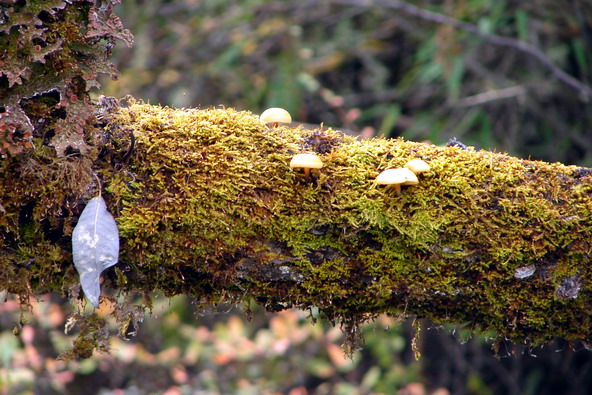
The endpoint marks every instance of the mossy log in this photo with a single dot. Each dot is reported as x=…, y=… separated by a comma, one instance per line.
x=207, y=206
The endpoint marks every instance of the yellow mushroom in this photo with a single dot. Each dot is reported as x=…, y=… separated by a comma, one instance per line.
x=306, y=162
x=417, y=166
x=396, y=178
x=274, y=116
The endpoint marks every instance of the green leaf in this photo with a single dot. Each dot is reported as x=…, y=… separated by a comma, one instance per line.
x=522, y=25
x=390, y=119
x=454, y=82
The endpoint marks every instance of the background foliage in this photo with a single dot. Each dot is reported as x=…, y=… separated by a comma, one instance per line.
x=180, y=351
x=371, y=71
x=370, y=67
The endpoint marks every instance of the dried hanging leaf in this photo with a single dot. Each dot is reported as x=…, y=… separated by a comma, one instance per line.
x=95, y=246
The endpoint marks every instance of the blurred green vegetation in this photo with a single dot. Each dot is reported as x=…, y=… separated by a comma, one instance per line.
x=216, y=352
x=371, y=71
x=179, y=350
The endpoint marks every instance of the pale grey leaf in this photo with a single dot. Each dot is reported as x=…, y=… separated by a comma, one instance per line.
x=95, y=246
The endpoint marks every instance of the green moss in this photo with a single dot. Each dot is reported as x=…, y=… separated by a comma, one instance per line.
x=211, y=182
x=207, y=205
x=94, y=335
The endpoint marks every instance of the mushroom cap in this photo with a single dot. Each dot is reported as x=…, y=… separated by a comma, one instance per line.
x=401, y=176
x=417, y=166
x=310, y=161
x=275, y=114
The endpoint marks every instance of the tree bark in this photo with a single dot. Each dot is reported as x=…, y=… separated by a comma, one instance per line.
x=207, y=206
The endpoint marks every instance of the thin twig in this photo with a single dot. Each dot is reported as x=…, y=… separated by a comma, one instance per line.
x=492, y=95
x=533, y=51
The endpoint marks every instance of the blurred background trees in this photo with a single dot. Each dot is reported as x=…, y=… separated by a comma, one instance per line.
x=372, y=68
x=373, y=71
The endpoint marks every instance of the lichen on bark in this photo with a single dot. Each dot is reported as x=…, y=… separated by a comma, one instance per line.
x=51, y=53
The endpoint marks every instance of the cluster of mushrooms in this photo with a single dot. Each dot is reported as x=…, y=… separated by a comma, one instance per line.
x=394, y=178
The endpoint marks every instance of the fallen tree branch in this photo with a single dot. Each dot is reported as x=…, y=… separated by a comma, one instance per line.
x=207, y=206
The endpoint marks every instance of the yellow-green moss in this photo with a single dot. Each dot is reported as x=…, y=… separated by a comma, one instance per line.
x=213, y=186
x=207, y=205
x=38, y=196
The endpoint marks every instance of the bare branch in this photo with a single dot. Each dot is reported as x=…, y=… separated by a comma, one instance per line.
x=485, y=97
x=535, y=52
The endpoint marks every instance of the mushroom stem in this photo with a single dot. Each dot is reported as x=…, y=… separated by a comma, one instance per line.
x=397, y=188
x=307, y=173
